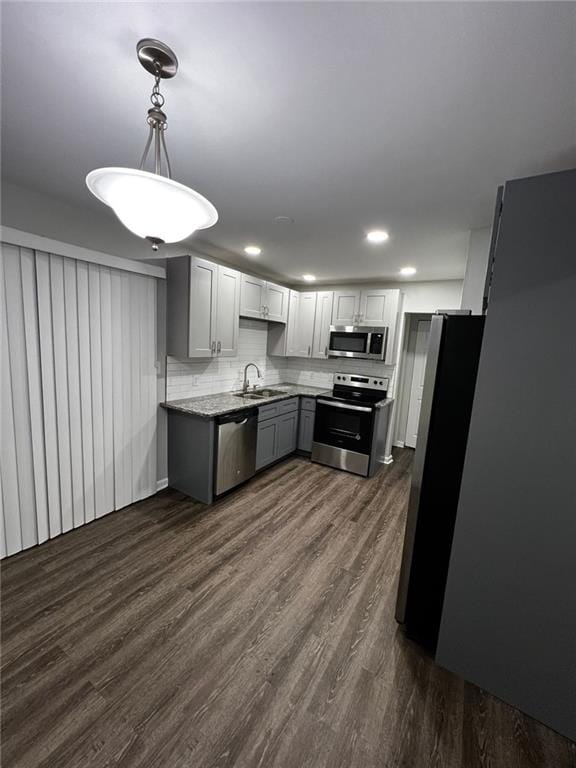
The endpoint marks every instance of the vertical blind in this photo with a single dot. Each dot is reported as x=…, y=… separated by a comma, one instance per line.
x=78, y=396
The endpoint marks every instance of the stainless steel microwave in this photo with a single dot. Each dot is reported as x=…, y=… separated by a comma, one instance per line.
x=358, y=341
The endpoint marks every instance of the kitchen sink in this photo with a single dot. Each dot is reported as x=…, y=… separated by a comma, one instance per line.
x=259, y=394
x=249, y=396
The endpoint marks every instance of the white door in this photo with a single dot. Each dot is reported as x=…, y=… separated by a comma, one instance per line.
x=252, y=296
x=276, y=304
x=202, y=316
x=419, y=343
x=346, y=307
x=227, y=313
x=306, y=314
x=322, y=323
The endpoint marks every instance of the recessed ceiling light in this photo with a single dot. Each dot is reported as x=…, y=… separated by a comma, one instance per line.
x=377, y=236
x=253, y=250
x=309, y=278
x=407, y=271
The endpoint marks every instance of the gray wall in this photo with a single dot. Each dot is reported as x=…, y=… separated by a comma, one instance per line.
x=476, y=266
x=509, y=619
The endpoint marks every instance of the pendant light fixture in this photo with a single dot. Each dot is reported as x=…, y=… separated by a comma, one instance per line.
x=153, y=205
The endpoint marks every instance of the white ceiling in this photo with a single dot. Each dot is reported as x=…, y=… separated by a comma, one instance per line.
x=343, y=116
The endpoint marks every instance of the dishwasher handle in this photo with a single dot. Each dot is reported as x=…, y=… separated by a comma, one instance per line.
x=237, y=418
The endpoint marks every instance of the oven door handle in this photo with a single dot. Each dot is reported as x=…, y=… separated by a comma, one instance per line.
x=345, y=432
x=345, y=406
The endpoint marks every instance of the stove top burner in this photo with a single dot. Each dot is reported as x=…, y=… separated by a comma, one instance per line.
x=359, y=388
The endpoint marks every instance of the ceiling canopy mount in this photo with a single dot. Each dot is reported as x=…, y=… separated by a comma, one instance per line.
x=155, y=55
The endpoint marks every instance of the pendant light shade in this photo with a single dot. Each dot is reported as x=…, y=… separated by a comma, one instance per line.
x=152, y=206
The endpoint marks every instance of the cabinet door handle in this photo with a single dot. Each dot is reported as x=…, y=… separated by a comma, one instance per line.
x=308, y=350
x=326, y=351
x=219, y=348
x=213, y=347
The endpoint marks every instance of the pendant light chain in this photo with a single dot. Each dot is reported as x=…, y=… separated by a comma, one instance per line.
x=158, y=124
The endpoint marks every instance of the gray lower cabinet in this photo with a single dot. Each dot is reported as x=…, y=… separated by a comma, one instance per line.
x=306, y=431
x=287, y=433
x=266, y=447
x=277, y=432
x=306, y=426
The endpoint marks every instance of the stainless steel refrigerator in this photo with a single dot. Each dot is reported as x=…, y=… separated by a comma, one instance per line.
x=449, y=382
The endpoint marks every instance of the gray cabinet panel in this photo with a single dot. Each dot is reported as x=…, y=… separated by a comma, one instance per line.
x=267, y=445
x=268, y=411
x=308, y=403
x=288, y=405
x=191, y=455
x=287, y=433
x=306, y=430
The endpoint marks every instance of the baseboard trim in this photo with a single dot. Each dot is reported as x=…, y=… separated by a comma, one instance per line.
x=388, y=459
x=161, y=484
x=398, y=444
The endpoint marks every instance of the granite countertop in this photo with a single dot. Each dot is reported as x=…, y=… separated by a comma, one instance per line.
x=210, y=406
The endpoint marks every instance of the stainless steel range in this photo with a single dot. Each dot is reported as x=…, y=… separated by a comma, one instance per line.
x=351, y=424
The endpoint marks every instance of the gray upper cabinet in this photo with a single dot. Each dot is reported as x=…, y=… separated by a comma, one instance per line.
x=370, y=306
x=276, y=305
x=202, y=313
x=346, y=307
x=378, y=306
x=283, y=339
x=227, y=312
x=252, y=295
x=322, y=321
x=305, y=325
x=263, y=300
x=307, y=328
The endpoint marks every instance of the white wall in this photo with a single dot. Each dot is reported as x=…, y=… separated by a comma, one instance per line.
x=476, y=266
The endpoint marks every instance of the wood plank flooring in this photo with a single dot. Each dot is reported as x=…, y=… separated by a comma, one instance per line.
x=258, y=632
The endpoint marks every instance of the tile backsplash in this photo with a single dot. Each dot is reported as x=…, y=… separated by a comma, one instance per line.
x=186, y=378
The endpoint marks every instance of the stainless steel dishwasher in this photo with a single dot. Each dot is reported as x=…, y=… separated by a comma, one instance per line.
x=236, y=436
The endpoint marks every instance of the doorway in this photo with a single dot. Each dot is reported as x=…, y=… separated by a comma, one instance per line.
x=418, y=342
x=412, y=369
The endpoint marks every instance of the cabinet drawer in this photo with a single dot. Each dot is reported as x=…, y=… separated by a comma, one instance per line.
x=308, y=403
x=268, y=411
x=287, y=406
x=277, y=409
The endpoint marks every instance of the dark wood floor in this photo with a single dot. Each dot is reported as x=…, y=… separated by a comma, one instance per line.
x=257, y=632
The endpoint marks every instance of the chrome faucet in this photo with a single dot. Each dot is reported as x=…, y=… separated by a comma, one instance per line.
x=245, y=385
